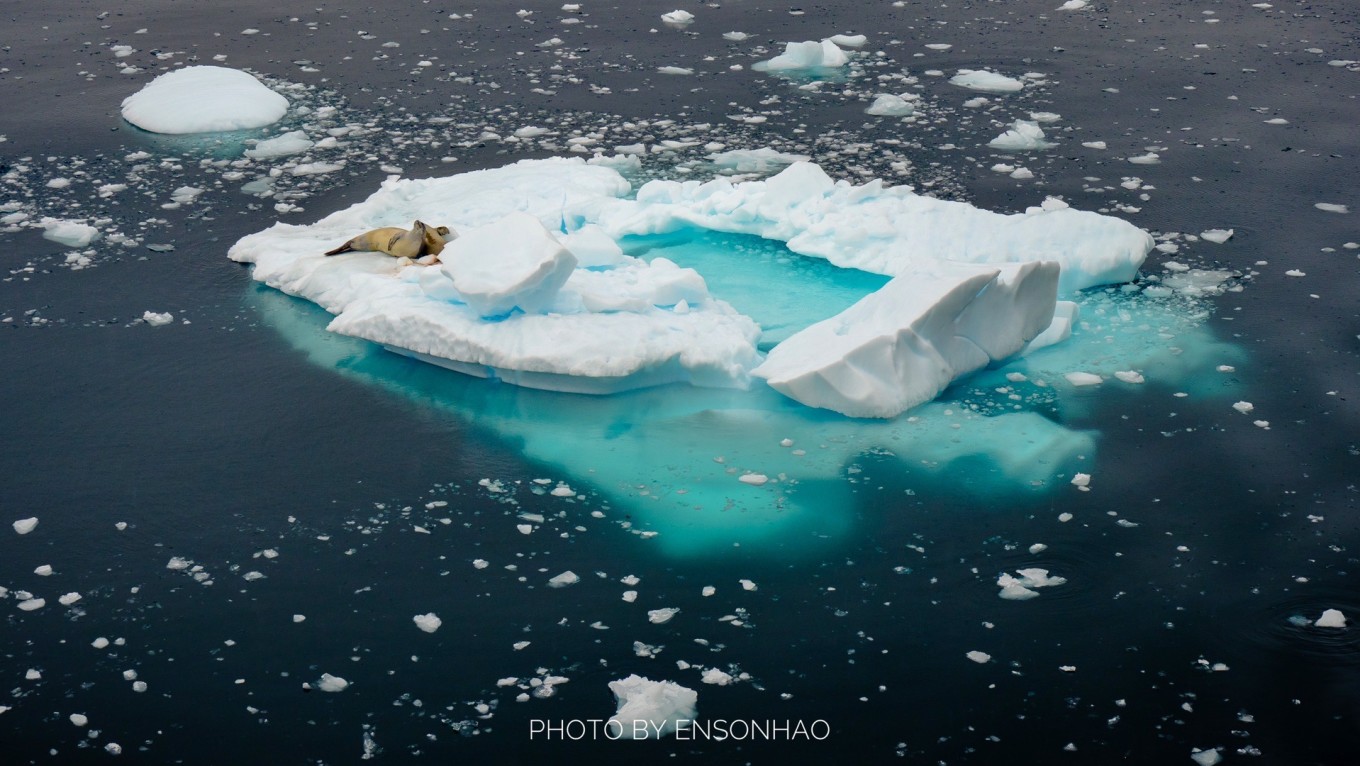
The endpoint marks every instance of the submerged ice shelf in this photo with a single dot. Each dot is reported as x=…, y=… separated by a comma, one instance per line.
x=706, y=466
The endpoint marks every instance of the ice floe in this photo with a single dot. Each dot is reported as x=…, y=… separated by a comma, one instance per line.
x=985, y=81
x=203, y=99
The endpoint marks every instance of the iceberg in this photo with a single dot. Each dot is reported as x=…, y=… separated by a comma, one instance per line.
x=699, y=284
x=203, y=99
x=1022, y=136
x=809, y=54
x=904, y=344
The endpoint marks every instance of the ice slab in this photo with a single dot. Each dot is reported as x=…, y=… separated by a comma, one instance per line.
x=624, y=323
x=511, y=263
x=293, y=142
x=651, y=709
x=887, y=229
x=987, y=82
x=203, y=99
x=69, y=233
x=904, y=344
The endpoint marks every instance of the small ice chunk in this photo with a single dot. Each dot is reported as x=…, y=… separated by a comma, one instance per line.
x=330, y=683
x=716, y=677
x=1129, y=376
x=678, y=17
x=24, y=526
x=981, y=658
x=1330, y=207
x=987, y=82
x=1244, y=407
x=748, y=585
x=1206, y=757
x=1331, y=618
x=78, y=719
x=293, y=142
x=480, y=563
x=69, y=598
x=754, y=479
x=1217, y=236
x=661, y=616
x=1081, y=480
x=428, y=622
x=889, y=105
x=650, y=709
x=68, y=233
x=1022, y=136
x=100, y=643
x=1073, y=5
x=563, y=580
x=157, y=319
x=1083, y=378
x=32, y=604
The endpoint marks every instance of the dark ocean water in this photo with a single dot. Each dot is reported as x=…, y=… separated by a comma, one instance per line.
x=248, y=440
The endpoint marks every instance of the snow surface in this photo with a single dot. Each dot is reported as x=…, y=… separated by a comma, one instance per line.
x=662, y=705
x=904, y=344
x=203, y=99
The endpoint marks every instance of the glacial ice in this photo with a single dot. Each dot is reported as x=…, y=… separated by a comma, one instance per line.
x=661, y=704
x=203, y=99
x=68, y=233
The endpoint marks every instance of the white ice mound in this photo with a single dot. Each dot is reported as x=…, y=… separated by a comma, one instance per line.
x=203, y=99
x=69, y=233
x=651, y=709
x=809, y=54
x=887, y=229
x=511, y=263
x=889, y=105
x=987, y=82
x=621, y=324
x=1022, y=136
x=902, y=345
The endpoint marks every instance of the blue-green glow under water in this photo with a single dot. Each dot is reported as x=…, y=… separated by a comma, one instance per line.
x=671, y=459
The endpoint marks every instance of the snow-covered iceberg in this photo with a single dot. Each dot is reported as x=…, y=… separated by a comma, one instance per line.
x=203, y=99
x=513, y=301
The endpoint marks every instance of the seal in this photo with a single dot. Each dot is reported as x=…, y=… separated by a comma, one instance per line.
x=422, y=239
